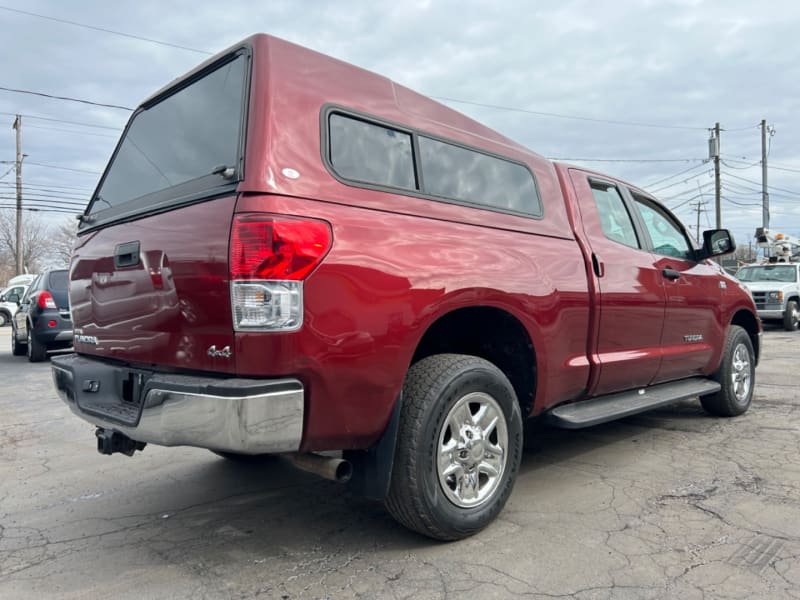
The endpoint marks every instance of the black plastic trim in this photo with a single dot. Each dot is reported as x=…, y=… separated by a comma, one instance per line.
x=187, y=192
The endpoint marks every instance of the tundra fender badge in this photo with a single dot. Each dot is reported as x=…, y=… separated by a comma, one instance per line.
x=214, y=353
x=696, y=337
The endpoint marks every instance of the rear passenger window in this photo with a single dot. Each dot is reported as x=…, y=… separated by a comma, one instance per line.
x=58, y=280
x=371, y=153
x=463, y=174
x=614, y=217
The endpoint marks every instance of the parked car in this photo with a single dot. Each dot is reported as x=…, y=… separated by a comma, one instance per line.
x=776, y=291
x=43, y=322
x=299, y=256
x=8, y=302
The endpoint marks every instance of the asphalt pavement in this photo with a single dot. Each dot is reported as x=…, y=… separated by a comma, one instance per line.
x=669, y=504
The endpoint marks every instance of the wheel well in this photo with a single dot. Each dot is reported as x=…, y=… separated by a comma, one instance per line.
x=748, y=322
x=492, y=334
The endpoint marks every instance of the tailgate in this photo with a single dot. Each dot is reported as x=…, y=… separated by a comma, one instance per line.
x=155, y=291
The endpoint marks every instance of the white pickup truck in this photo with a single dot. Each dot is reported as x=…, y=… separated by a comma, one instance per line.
x=776, y=291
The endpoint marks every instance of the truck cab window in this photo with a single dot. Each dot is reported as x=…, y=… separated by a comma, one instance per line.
x=667, y=237
x=614, y=217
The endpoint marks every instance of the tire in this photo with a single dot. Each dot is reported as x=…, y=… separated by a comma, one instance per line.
x=791, y=317
x=736, y=375
x=432, y=462
x=37, y=351
x=17, y=349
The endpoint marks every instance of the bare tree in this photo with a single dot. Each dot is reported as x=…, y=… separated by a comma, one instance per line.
x=62, y=241
x=35, y=244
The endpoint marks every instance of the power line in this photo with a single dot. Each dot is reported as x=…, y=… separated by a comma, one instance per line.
x=46, y=210
x=442, y=98
x=671, y=176
x=35, y=197
x=67, y=98
x=769, y=186
x=95, y=28
x=746, y=168
x=62, y=168
x=37, y=189
x=563, y=116
x=28, y=184
x=75, y=131
x=63, y=121
x=670, y=185
x=745, y=204
x=773, y=166
x=630, y=160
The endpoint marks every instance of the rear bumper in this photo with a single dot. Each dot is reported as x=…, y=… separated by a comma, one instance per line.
x=248, y=416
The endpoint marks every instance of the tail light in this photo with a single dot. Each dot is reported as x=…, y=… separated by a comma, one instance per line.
x=45, y=300
x=270, y=256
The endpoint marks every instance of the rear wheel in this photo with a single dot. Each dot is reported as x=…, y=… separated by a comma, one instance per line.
x=458, y=449
x=37, y=351
x=791, y=317
x=736, y=375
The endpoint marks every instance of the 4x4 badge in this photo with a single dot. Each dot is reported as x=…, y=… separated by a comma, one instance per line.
x=224, y=353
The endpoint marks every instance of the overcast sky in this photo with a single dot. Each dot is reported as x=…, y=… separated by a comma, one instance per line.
x=673, y=68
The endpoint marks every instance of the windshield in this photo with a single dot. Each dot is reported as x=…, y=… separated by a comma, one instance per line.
x=186, y=136
x=782, y=273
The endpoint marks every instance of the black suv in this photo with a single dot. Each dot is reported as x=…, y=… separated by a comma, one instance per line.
x=43, y=322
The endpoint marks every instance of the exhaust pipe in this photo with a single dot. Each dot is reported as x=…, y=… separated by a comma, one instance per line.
x=335, y=469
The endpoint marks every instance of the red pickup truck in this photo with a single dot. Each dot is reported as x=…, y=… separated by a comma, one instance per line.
x=287, y=254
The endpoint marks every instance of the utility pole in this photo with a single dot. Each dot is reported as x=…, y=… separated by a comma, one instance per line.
x=764, y=192
x=18, y=127
x=717, y=181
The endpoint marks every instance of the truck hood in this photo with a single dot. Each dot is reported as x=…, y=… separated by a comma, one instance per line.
x=769, y=286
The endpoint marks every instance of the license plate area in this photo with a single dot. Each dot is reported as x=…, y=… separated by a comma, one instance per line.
x=116, y=395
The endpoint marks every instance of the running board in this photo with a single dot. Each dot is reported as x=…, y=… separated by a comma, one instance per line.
x=602, y=409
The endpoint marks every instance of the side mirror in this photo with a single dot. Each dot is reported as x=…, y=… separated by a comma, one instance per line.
x=716, y=242
x=13, y=298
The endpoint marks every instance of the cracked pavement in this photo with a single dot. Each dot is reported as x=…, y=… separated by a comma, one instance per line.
x=668, y=504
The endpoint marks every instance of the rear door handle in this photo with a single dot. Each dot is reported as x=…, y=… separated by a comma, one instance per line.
x=126, y=255
x=671, y=273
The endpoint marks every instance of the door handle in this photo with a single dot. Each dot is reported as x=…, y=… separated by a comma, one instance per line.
x=597, y=265
x=671, y=273
x=126, y=255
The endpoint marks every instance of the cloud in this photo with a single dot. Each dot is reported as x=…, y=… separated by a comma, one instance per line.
x=676, y=63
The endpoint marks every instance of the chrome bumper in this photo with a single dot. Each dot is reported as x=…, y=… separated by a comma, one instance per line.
x=770, y=314
x=247, y=416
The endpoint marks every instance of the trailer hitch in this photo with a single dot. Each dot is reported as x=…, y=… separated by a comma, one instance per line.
x=110, y=441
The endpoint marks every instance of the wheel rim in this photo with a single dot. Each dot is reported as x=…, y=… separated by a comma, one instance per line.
x=741, y=373
x=473, y=444
x=795, y=316
x=28, y=349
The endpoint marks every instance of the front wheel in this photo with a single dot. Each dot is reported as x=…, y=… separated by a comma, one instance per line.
x=458, y=449
x=736, y=375
x=791, y=317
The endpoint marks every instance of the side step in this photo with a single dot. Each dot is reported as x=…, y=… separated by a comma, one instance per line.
x=624, y=404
